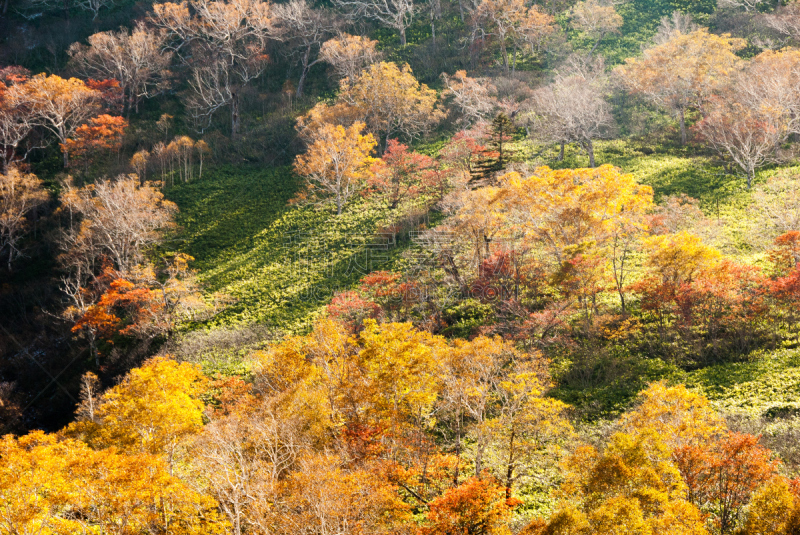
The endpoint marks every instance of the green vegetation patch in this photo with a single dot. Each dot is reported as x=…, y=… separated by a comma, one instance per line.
x=274, y=262
x=768, y=385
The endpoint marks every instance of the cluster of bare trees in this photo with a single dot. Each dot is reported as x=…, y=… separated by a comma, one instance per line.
x=135, y=58
x=572, y=109
x=177, y=157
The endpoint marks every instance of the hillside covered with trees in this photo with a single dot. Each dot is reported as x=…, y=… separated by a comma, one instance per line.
x=408, y=267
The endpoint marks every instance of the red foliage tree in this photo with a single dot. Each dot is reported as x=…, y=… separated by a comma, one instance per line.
x=402, y=174
x=111, y=94
x=350, y=309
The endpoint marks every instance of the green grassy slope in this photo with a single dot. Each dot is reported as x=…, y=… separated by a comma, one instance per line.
x=279, y=263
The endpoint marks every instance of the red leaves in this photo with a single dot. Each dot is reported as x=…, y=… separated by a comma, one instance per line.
x=402, y=174
x=110, y=91
x=351, y=309
x=495, y=276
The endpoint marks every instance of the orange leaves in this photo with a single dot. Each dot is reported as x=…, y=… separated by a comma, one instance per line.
x=476, y=507
x=102, y=134
x=722, y=474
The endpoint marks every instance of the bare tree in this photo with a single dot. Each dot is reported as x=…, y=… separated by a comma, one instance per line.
x=16, y=124
x=241, y=460
x=572, y=109
x=749, y=136
x=678, y=73
x=747, y=5
x=751, y=117
x=133, y=57
x=776, y=205
x=349, y=55
x=20, y=194
x=93, y=6
x=225, y=43
x=305, y=29
x=595, y=19
x=786, y=20
x=678, y=23
x=470, y=96
x=90, y=392
x=118, y=219
x=396, y=14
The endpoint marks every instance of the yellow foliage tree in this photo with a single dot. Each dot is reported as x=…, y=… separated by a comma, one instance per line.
x=678, y=416
x=391, y=101
x=152, y=410
x=679, y=258
x=57, y=486
x=772, y=508
x=59, y=105
x=580, y=219
x=630, y=488
x=337, y=161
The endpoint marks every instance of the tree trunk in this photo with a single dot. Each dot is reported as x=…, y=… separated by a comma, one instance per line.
x=590, y=150
x=66, y=159
x=403, y=36
x=561, y=153
x=5, y=7
x=510, y=467
x=514, y=64
x=591, y=52
x=505, y=55
x=683, y=126
x=460, y=9
x=303, y=75
x=751, y=174
x=234, y=115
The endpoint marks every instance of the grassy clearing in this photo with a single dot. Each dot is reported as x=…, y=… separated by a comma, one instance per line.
x=278, y=263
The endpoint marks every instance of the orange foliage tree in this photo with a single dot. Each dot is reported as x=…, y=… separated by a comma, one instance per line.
x=476, y=507
x=676, y=74
x=59, y=105
x=102, y=134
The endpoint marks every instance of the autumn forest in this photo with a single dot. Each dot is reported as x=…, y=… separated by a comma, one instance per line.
x=401, y=267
